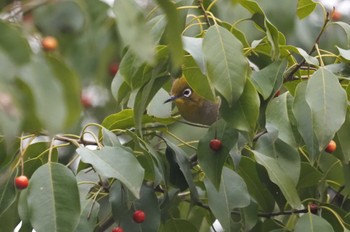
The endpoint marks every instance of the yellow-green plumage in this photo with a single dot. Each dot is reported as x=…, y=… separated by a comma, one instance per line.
x=191, y=106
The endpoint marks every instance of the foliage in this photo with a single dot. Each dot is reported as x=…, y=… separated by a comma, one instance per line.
x=96, y=148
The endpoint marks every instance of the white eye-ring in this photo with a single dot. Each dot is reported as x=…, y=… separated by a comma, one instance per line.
x=187, y=92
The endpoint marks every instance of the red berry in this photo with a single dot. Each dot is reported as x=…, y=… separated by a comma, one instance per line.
x=331, y=146
x=277, y=93
x=21, y=182
x=139, y=216
x=215, y=144
x=86, y=101
x=117, y=229
x=113, y=68
x=49, y=43
x=336, y=15
x=313, y=208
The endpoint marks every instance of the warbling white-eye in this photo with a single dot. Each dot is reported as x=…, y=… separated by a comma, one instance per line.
x=191, y=106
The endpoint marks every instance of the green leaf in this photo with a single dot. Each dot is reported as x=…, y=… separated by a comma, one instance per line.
x=7, y=189
x=346, y=28
x=310, y=176
x=173, y=32
x=303, y=118
x=248, y=171
x=343, y=138
x=117, y=162
x=178, y=225
x=134, y=31
x=109, y=138
x=285, y=155
x=226, y=64
x=243, y=114
x=310, y=222
x=194, y=46
x=270, y=78
x=196, y=80
x=344, y=53
x=212, y=162
x=283, y=120
x=14, y=43
x=125, y=119
x=183, y=163
x=328, y=104
x=232, y=194
x=259, y=18
x=305, y=7
x=88, y=216
x=280, y=178
x=50, y=205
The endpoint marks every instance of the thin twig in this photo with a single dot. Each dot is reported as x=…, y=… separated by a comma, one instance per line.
x=201, y=6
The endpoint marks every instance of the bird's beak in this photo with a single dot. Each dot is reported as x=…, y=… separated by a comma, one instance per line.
x=172, y=98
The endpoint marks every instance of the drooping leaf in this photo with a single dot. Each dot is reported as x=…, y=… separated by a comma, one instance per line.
x=212, y=162
x=134, y=31
x=305, y=7
x=328, y=103
x=269, y=79
x=280, y=178
x=51, y=206
x=226, y=64
x=117, y=162
x=312, y=223
x=232, y=194
x=243, y=114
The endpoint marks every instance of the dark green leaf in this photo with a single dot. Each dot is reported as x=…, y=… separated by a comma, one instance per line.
x=88, y=216
x=269, y=79
x=280, y=178
x=51, y=206
x=7, y=189
x=178, y=225
x=226, y=64
x=243, y=114
x=212, y=162
x=195, y=78
x=118, y=162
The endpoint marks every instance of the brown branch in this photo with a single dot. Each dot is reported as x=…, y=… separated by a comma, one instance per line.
x=302, y=62
x=201, y=6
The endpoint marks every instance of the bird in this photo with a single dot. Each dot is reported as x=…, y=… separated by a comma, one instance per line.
x=191, y=106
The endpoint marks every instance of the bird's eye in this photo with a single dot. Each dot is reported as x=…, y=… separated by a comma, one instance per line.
x=187, y=92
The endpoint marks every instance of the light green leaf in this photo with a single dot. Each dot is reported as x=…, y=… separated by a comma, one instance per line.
x=344, y=53
x=282, y=122
x=53, y=199
x=345, y=27
x=194, y=47
x=343, y=137
x=226, y=64
x=133, y=30
x=243, y=114
x=212, y=162
x=269, y=78
x=109, y=138
x=312, y=223
x=88, y=216
x=305, y=7
x=328, y=103
x=117, y=162
x=280, y=178
x=232, y=194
